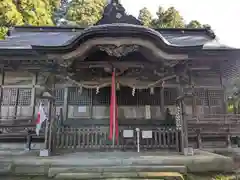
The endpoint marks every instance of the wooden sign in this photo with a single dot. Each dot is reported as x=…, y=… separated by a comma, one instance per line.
x=128, y=133
x=148, y=112
x=147, y=134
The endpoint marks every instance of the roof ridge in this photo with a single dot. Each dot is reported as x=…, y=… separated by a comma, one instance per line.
x=43, y=29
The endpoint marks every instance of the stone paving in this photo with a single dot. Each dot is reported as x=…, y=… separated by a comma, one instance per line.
x=105, y=164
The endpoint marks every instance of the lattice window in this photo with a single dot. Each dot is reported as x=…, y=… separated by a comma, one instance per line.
x=59, y=96
x=80, y=97
x=215, y=97
x=202, y=97
x=102, y=97
x=9, y=96
x=207, y=78
x=125, y=97
x=144, y=97
x=170, y=96
x=188, y=100
x=24, y=98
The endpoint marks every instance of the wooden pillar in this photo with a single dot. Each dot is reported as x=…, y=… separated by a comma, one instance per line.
x=16, y=104
x=53, y=117
x=184, y=131
x=224, y=99
x=208, y=101
x=194, y=97
x=162, y=101
x=199, y=138
x=65, y=104
x=1, y=89
x=33, y=95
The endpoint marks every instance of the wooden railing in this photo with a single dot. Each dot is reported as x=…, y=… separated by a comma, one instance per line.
x=12, y=129
x=97, y=139
x=202, y=130
x=213, y=130
x=215, y=119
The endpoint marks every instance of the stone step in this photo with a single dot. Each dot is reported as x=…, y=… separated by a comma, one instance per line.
x=119, y=175
x=5, y=168
x=55, y=171
x=19, y=146
x=90, y=172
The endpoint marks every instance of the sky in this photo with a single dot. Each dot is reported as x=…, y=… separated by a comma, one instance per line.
x=221, y=15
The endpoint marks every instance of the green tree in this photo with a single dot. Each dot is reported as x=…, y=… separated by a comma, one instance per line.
x=170, y=18
x=206, y=26
x=59, y=15
x=233, y=95
x=3, y=32
x=9, y=14
x=85, y=12
x=36, y=12
x=194, y=24
x=145, y=17
x=158, y=22
x=26, y=12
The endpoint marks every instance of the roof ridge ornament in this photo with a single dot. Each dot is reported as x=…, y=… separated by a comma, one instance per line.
x=114, y=12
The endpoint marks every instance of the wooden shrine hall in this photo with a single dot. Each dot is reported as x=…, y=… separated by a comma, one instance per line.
x=170, y=85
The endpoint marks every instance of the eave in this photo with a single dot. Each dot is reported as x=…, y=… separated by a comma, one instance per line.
x=118, y=30
x=61, y=40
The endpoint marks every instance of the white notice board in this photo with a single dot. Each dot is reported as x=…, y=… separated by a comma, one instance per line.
x=147, y=134
x=82, y=109
x=127, y=133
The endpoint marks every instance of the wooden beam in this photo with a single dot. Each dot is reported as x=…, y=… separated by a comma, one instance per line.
x=33, y=95
x=162, y=101
x=16, y=103
x=65, y=104
x=184, y=129
x=224, y=103
x=1, y=89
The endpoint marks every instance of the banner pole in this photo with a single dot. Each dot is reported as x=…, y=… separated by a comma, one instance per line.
x=46, y=131
x=114, y=109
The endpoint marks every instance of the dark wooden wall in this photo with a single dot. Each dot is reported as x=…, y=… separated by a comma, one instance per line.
x=18, y=91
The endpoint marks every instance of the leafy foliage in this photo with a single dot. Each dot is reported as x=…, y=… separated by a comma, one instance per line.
x=28, y=12
x=59, y=15
x=35, y=12
x=85, y=12
x=3, y=32
x=145, y=16
x=9, y=14
x=77, y=12
x=170, y=18
x=194, y=24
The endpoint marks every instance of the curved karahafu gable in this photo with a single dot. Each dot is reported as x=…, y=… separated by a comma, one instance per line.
x=114, y=23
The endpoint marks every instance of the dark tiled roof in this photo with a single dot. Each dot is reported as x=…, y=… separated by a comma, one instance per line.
x=185, y=38
x=26, y=37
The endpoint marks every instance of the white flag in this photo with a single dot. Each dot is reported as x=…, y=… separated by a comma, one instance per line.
x=40, y=119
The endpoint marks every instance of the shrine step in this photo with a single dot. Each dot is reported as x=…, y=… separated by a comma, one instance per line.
x=19, y=146
x=5, y=168
x=110, y=172
x=127, y=175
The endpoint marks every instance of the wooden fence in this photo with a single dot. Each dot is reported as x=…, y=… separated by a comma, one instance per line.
x=97, y=139
x=211, y=131
x=214, y=130
x=215, y=119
